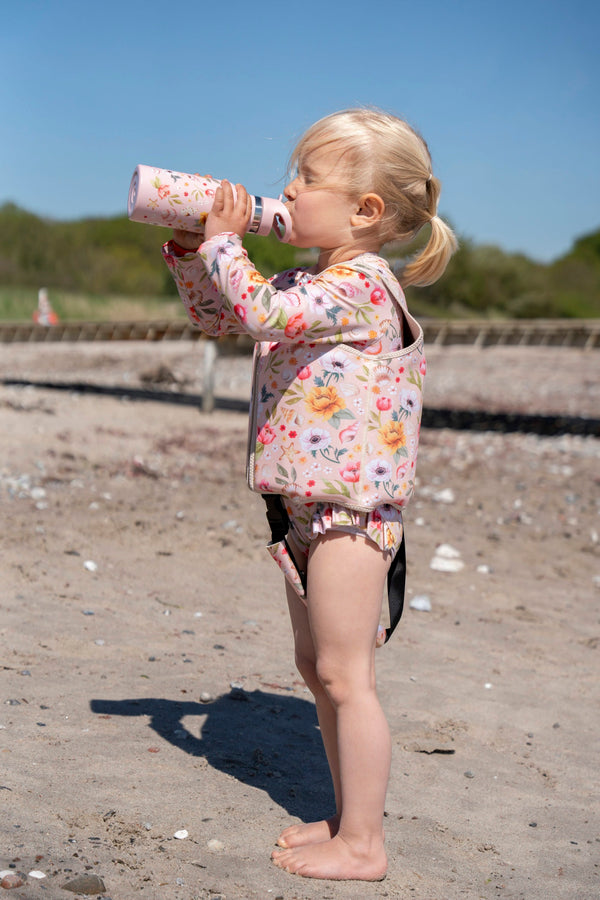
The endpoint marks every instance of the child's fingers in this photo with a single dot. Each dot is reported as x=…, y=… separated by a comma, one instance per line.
x=219, y=199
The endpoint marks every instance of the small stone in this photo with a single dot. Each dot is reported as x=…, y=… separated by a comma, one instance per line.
x=469, y=774
x=443, y=564
x=205, y=697
x=447, y=551
x=231, y=523
x=181, y=834
x=422, y=603
x=36, y=874
x=85, y=884
x=90, y=565
x=483, y=570
x=100, y=642
x=488, y=685
x=12, y=880
x=88, y=612
x=444, y=496
x=215, y=846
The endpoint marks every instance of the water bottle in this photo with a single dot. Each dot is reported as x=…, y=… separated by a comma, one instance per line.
x=179, y=200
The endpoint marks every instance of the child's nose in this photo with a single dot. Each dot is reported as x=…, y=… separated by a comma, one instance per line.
x=290, y=191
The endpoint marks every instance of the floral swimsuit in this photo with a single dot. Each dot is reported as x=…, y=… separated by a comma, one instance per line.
x=337, y=383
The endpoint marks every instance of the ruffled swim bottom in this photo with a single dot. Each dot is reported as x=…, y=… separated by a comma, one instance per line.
x=304, y=522
x=383, y=525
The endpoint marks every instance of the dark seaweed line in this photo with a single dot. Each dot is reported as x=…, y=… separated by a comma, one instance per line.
x=455, y=419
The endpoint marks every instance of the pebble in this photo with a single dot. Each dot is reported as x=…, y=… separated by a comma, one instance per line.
x=215, y=846
x=11, y=880
x=444, y=496
x=85, y=884
x=469, y=774
x=447, y=551
x=181, y=834
x=90, y=565
x=443, y=564
x=422, y=603
x=36, y=874
x=205, y=697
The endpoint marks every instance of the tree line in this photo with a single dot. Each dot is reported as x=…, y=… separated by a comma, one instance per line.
x=115, y=256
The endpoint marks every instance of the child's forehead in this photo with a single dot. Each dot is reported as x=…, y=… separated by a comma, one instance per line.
x=324, y=157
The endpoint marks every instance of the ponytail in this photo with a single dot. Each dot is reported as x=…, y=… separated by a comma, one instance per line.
x=430, y=264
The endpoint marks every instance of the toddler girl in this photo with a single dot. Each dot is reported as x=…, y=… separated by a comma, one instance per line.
x=335, y=411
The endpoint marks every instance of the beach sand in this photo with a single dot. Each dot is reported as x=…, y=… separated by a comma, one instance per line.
x=148, y=685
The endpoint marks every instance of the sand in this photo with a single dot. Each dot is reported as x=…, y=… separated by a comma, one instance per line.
x=148, y=684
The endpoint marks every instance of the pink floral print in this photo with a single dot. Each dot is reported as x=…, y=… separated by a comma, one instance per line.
x=338, y=371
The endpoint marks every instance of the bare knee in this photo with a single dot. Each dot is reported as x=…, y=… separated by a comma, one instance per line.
x=308, y=670
x=341, y=683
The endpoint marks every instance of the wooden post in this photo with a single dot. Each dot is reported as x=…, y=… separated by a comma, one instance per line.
x=208, y=381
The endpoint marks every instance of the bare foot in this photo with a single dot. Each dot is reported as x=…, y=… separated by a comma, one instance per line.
x=309, y=833
x=333, y=859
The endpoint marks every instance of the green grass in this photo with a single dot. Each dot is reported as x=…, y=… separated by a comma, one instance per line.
x=19, y=304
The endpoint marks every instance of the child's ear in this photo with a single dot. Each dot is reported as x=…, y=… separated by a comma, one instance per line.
x=370, y=210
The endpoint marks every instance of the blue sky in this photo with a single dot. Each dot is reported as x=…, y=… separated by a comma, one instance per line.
x=506, y=94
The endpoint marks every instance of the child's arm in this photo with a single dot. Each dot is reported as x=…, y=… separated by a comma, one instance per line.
x=201, y=299
x=342, y=303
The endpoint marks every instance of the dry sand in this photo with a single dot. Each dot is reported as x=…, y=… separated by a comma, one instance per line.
x=148, y=683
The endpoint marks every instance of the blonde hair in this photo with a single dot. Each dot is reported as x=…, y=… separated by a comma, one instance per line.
x=384, y=155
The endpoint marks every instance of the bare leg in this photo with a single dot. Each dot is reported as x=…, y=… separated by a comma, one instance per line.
x=346, y=575
x=311, y=832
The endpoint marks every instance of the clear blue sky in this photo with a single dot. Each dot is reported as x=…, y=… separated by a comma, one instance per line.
x=506, y=94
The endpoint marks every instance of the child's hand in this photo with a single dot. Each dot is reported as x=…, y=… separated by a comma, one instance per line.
x=227, y=213
x=187, y=240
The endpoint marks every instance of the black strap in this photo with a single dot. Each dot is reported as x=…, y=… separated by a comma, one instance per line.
x=396, y=581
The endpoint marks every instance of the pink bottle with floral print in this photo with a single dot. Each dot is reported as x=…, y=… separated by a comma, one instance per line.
x=180, y=200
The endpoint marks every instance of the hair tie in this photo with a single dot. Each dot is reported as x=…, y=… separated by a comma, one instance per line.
x=429, y=177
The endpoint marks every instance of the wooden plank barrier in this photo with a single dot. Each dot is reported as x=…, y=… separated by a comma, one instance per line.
x=582, y=333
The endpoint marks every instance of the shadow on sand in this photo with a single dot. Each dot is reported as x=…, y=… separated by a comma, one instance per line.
x=269, y=741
